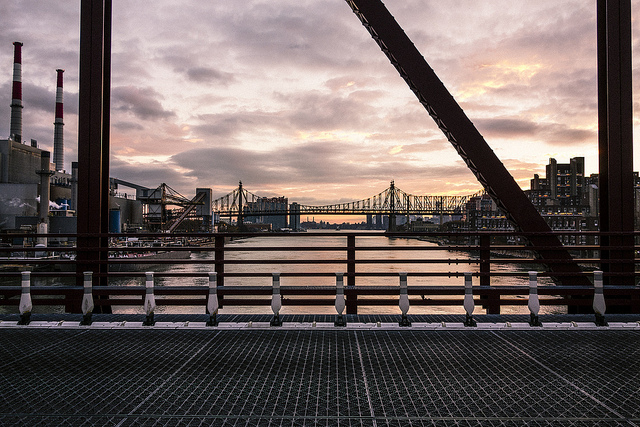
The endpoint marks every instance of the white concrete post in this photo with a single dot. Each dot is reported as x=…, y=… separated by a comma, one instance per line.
x=212, y=301
x=276, y=303
x=340, y=302
x=468, y=303
x=25, y=299
x=149, y=300
x=87, y=298
x=599, y=306
x=404, y=300
x=534, y=302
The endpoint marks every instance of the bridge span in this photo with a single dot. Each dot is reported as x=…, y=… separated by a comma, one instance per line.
x=391, y=201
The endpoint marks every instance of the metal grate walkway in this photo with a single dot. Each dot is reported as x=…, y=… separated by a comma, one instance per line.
x=319, y=377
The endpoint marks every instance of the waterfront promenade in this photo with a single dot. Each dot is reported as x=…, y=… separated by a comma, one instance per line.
x=179, y=372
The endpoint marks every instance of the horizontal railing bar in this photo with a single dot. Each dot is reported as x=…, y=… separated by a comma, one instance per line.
x=123, y=274
x=249, y=248
x=318, y=302
x=362, y=233
x=142, y=260
x=321, y=290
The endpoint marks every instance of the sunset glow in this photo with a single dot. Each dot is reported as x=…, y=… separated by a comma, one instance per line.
x=296, y=99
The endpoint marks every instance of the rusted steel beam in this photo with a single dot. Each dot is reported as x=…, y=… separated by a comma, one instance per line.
x=90, y=115
x=106, y=139
x=460, y=131
x=615, y=136
x=93, y=140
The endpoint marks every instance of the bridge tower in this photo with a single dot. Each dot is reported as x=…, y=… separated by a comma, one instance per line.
x=240, y=208
x=392, y=207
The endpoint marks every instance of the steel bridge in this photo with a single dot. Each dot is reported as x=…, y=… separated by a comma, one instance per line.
x=391, y=201
x=615, y=136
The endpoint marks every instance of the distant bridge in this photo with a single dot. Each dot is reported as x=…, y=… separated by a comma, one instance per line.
x=392, y=201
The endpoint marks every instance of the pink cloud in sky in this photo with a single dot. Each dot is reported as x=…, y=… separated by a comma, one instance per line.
x=297, y=96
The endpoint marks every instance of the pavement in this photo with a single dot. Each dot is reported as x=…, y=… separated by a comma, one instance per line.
x=309, y=372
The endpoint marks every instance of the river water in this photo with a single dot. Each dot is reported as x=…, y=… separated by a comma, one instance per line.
x=329, y=238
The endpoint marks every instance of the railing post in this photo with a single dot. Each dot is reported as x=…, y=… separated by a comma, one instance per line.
x=87, y=298
x=340, y=320
x=599, y=306
x=404, y=300
x=219, y=264
x=489, y=301
x=352, y=296
x=469, y=304
x=276, y=303
x=485, y=260
x=25, y=299
x=212, y=301
x=149, y=300
x=534, y=302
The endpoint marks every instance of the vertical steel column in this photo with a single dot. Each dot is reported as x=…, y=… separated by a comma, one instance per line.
x=352, y=296
x=615, y=139
x=219, y=264
x=93, y=153
x=490, y=302
x=106, y=139
x=485, y=260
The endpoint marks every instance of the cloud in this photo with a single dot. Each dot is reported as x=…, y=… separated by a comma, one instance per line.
x=207, y=75
x=318, y=111
x=143, y=103
x=126, y=126
x=305, y=112
x=552, y=133
x=322, y=166
x=39, y=98
x=296, y=98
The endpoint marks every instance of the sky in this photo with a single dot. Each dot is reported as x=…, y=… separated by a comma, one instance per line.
x=295, y=99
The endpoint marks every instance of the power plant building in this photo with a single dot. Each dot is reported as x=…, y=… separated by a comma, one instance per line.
x=35, y=193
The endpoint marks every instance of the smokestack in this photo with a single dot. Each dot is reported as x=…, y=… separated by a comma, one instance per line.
x=16, y=94
x=44, y=173
x=58, y=136
x=74, y=186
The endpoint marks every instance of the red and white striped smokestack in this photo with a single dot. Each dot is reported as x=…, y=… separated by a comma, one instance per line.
x=16, y=94
x=58, y=135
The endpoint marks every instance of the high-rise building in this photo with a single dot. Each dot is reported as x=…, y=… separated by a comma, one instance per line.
x=562, y=190
x=269, y=210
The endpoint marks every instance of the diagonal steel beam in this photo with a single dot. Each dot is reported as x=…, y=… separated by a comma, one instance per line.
x=462, y=134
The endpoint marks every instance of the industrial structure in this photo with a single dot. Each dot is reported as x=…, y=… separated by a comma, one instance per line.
x=15, y=132
x=58, y=134
x=158, y=216
x=38, y=195
x=26, y=176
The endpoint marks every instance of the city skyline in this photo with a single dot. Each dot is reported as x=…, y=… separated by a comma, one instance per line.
x=296, y=99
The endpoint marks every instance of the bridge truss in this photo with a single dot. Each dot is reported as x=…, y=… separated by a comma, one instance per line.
x=233, y=203
x=391, y=201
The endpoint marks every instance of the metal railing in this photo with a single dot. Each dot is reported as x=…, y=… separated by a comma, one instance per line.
x=485, y=256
